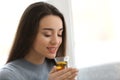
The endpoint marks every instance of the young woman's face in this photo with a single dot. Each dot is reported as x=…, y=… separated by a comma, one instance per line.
x=49, y=37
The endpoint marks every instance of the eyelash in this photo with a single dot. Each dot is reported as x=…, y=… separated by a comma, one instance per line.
x=50, y=35
x=60, y=35
x=47, y=35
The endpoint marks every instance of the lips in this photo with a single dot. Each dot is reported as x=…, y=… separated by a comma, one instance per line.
x=52, y=49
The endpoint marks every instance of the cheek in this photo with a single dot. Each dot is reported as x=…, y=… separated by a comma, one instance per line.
x=40, y=42
x=60, y=41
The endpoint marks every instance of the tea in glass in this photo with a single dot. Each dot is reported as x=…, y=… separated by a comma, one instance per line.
x=61, y=62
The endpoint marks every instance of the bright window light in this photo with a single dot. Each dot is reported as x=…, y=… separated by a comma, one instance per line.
x=96, y=25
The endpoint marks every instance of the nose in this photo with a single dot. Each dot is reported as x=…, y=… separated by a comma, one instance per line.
x=55, y=40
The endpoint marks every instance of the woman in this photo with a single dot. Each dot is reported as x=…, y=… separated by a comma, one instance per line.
x=41, y=36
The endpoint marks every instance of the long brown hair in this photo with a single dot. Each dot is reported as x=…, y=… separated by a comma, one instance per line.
x=28, y=28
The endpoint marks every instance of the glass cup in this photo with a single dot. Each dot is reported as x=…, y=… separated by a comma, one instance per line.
x=61, y=62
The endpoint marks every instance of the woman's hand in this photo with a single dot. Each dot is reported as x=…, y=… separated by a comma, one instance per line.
x=64, y=74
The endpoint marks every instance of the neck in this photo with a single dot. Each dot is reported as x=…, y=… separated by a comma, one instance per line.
x=34, y=58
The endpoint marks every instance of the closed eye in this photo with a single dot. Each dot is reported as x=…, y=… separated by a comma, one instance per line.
x=59, y=35
x=46, y=35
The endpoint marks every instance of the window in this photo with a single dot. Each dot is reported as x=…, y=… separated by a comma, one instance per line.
x=96, y=26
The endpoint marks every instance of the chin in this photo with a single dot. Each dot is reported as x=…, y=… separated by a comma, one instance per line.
x=51, y=57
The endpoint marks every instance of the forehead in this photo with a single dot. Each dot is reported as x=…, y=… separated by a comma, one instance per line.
x=51, y=21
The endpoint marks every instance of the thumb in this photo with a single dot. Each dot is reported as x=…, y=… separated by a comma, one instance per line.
x=53, y=69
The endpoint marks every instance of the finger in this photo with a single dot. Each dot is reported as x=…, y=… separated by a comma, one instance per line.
x=61, y=72
x=73, y=76
x=71, y=72
x=54, y=72
x=74, y=73
x=65, y=75
x=53, y=69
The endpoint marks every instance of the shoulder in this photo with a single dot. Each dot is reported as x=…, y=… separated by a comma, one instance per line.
x=8, y=72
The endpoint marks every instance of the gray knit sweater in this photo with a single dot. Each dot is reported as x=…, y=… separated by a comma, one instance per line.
x=24, y=70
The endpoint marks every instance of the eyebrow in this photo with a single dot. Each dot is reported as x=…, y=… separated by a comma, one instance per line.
x=51, y=29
